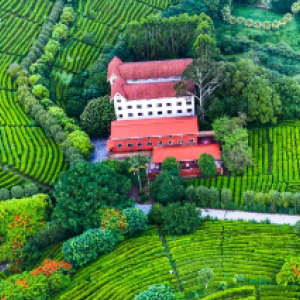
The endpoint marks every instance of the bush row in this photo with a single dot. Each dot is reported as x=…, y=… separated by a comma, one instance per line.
x=19, y=191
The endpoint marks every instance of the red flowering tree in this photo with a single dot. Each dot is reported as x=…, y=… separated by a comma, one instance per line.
x=290, y=272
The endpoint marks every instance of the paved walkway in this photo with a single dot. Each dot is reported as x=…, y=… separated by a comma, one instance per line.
x=236, y=215
x=100, y=152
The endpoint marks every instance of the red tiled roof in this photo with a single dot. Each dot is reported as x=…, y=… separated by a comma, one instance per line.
x=112, y=66
x=123, y=129
x=153, y=69
x=185, y=152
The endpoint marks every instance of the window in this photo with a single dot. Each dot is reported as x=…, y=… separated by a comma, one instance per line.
x=159, y=105
x=159, y=112
x=169, y=112
x=190, y=134
x=169, y=135
x=129, y=145
x=120, y=116
x=179, y=103
x=120, y=146
x=139, y=106
x=192, y=162
x=169, y=104
x=129, y=107
x=139, y=144
x=150, y=113
x=160, y=143
x=119, y=100
x=119, y=108
x=140, y=114
x=181, y=162
x=149, y=137
x=179, y=111
x=188, y=102
x=130, y=115
x=191, y=141
x=180, y=141
x=189, y=110
x=170, y=142
x=149, y=143
x=149, y=105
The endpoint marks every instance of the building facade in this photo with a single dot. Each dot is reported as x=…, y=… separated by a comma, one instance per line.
x=146, y=89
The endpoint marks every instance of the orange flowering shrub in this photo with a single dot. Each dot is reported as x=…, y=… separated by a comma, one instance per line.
x=49, y=267
x=290, y=272
x=112, y=219
x=51, y=277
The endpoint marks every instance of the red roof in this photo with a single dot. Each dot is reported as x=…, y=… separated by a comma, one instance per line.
x=185, y=152
x=123, y=129
x=145, y=90
x=112, y=66
x=153, y=69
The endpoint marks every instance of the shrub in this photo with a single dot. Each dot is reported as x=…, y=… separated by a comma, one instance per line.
x=86, y=247
x=31, y=189
x=81, y=141
x=136, y=219
x=206, y=276
x=181, y=219
x=4, y=194
x=40, y=284
x=166, y=188
x=156, y=292
x=297, y=227
x=290, y=272
x=155, y=215
x=207, y=164
x=17, y=192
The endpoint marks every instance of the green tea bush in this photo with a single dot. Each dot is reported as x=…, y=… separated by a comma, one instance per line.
x=86, y=247
x=156, y=292
x=155, y=215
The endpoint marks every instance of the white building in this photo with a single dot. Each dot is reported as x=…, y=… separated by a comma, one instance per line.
x=146, y=89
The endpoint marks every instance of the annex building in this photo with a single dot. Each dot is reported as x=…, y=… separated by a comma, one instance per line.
x=151, y=118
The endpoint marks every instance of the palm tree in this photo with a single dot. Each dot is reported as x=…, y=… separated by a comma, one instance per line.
x=295, y=8
x=282, y=22
x=232, y=20
x=226, y=13
x=267, y=25
x=288, y=17
x=138, y=162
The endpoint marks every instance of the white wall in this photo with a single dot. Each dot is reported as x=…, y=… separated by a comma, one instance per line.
x=153, y=80
x=146, y=107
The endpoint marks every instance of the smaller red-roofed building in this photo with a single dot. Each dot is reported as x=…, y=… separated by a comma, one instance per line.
x=186, y=156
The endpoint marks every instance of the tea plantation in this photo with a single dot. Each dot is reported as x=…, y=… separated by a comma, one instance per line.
x=254, y=251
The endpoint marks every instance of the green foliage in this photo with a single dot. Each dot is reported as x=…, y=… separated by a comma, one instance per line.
x=180, y=219
x=40, y=91
x=83, y=190
x=289, y=273
x=156, y=292
x=155, y=215
x=17, y=192
x=88, y=246
x=207, y=164
x=170, y=163
x=166, y=189
x=206, y=276
x=30, y=189
x=36, y=284
x=81, y=141
x=4, y=194
x=97, y=117
x=136, y=219
x=190, y=7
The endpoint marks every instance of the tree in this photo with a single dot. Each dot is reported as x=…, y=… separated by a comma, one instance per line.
x=156, y=292
x=289, y=274
x=138, y=162
x=170, y=163
x=225, y=198
x=207, y=164
x=181, y=219
x=97, y=117
x=136, y=220
x=207, y=77
x=31, y=189
x=17, y=192
x=166, y=188
x=190, y=193
x=81, y=141
x=83, y=190
x=191, y=7
x=263, y=102
x=206, y=276
x=4, y=194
